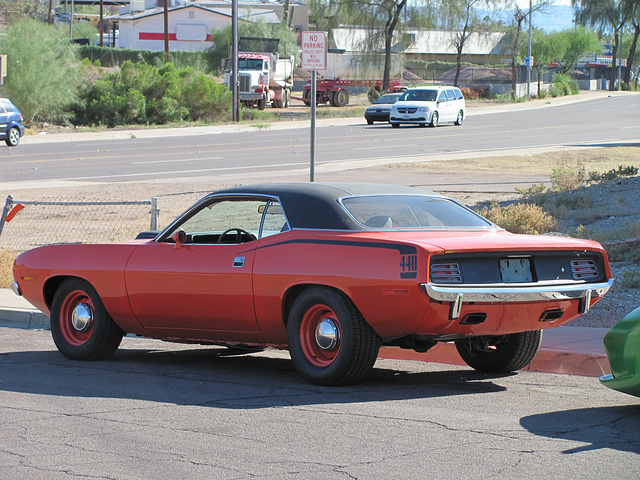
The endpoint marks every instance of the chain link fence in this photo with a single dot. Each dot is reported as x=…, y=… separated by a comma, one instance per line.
x=29, y=224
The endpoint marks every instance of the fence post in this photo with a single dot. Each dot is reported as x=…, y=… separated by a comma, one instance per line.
x=5, y=211
x=154, y=213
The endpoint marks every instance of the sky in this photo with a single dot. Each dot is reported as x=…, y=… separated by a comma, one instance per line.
x=525, y=3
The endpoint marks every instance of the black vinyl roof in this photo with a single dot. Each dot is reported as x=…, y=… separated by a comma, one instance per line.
x=315, y=205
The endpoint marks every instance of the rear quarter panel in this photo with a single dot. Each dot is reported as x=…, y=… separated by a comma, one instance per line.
x=380, y=275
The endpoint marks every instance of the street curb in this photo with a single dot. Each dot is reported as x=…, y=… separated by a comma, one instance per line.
x=23, y=319
x=547, y=360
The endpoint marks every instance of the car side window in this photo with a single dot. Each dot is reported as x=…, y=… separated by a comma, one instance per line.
x=240, y=218
x=459, y=95
x=442, y=97
x=274, y=220
x=451, y=95
x=2, y=109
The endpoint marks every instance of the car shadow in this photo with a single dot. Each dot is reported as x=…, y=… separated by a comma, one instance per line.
x=209, y=377
x=605, y=427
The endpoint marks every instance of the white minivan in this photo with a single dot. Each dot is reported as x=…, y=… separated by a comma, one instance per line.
x=428, y=106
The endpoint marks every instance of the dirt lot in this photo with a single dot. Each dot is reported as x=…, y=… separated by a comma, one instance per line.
x=604, y=211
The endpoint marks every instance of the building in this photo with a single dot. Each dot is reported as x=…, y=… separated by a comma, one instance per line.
x=141, y=22
x=428, y=45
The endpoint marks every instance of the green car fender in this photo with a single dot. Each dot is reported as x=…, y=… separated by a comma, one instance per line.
x=622, y=344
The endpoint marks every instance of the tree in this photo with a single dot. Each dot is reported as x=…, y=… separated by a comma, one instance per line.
x=545, y=48
x=606, y=16
x=465, y=22
x=519, y=17
x=631, y=58
x=578, y=42
x=387, y=13
x=43, y=70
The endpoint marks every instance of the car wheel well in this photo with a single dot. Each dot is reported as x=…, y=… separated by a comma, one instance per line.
x=52, y=285
x=295, y=291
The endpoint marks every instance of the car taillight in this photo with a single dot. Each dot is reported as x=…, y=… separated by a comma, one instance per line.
x=446, y=273
x=584, y=269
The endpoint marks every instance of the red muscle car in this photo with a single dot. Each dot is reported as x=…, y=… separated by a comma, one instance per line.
x=328, y=271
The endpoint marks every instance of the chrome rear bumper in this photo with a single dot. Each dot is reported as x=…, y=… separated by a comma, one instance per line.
x=506, y=293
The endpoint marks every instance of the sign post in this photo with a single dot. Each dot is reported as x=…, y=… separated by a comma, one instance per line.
x=314, y=58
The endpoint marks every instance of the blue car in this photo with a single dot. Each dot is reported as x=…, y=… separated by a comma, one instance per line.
x=11, y=126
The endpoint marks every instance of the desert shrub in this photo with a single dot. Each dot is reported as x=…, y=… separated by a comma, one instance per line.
x=7, y=256
x=470, y=94
x=563, y=85
x=532, y=190
x=613, y=174
x=520, y=218
x=43, y=71
x=566, y=176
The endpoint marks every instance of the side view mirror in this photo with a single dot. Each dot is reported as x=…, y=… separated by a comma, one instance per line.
x=180, y=237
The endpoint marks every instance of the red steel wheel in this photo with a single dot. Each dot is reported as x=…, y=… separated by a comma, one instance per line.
x=329, y=341
x=80, y=325
x=77, y=317
x=320, y=335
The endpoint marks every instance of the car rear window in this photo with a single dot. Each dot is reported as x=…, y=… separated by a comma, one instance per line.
x=390, y=212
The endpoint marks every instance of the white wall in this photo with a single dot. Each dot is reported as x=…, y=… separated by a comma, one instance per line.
x=189, y=29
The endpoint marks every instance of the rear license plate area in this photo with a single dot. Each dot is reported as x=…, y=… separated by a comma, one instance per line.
x=515, y=270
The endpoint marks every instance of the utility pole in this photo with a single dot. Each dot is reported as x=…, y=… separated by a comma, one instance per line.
x=166, y=31
x=234, y=63
x=529, y=56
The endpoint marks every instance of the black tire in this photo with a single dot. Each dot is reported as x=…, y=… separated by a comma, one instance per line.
x=369, y=122
x=262, y=103
x=460, y=118
x=91, y=335
x=13, y=137
x=395, y=125
x=434, y=119
x=340, y=98
x=306, y=97
x=347, y=350
x=502, y=353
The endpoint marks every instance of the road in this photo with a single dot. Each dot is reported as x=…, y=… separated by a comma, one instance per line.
x=600, y=122
x=158, y=410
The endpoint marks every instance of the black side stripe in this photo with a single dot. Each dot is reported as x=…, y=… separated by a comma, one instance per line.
x=401, y=248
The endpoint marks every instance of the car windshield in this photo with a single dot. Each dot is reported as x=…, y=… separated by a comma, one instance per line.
x=390, y=98
x=419, y=96
x=412, y=212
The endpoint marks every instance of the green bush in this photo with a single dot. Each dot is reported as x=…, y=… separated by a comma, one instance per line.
x=143, y=93
x=112, y=57
x=563, y=85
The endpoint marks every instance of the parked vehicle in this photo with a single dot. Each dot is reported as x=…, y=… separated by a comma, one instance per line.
x=351, y=70
x=622, y=344
x=379, y=111
x=429, y=106
x=328, y=271
x=11, y=125
x=263, y=77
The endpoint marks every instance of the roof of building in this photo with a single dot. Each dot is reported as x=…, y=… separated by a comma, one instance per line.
x=267, y=16
x=421, y=41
